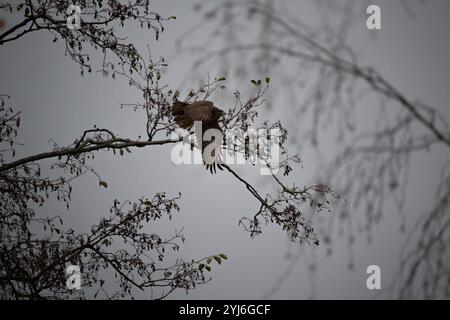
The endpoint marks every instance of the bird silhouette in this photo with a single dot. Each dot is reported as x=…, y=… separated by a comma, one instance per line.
x=185, y=114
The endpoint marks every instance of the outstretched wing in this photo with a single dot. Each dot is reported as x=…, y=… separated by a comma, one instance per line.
x=214, y=158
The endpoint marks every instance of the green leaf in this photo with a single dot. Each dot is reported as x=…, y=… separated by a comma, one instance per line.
x=223, y=256
x=103, y=184
x=201, y=266
x=172, y=17
x=218, y=260
x=254, y=82
x=267, y=80
x=208, y=268
x=208, y=261
x=221, y=79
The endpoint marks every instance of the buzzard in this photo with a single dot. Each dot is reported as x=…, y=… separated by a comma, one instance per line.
x=186, y=113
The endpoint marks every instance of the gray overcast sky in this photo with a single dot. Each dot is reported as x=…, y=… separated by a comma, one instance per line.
x=58, y=104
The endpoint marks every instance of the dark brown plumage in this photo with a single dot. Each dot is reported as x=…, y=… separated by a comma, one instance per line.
x=185, y=114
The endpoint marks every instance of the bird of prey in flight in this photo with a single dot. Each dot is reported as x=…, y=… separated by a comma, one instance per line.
x=185, y=114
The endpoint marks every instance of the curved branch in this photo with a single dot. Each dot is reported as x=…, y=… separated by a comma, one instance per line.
x=108, y=144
